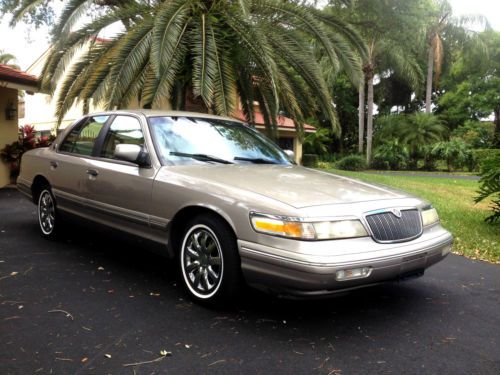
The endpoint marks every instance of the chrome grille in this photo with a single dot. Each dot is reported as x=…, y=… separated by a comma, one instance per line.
x=387, y=227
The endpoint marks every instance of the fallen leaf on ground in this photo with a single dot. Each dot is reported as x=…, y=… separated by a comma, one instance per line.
x=107, y=355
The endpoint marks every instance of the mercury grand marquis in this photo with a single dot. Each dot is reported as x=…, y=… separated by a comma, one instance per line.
x=229, y=205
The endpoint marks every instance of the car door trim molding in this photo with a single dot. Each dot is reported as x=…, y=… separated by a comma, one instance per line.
x=105, y=208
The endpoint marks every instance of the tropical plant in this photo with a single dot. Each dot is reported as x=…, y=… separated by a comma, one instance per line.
x=390, y=155
x=389, y=54
x=456, y=153
x=388, y=27
x=490, y=186
x=316, y=143
x=455, y=31
x=8, y=59
x=27, y=140
x=421, y=129
x=257, y=50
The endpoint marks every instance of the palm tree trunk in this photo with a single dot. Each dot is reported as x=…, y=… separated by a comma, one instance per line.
x=369, y=121
x=430, y=71
x=361, y=116
x=496, y=132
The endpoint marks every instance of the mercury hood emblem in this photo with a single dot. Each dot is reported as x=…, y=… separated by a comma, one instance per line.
x=396, y=212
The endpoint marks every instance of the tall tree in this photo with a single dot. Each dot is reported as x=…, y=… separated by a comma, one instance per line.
x=453, y=29
x=472, y=86
x=392, y=30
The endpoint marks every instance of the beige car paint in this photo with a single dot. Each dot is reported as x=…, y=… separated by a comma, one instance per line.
x=145, y=200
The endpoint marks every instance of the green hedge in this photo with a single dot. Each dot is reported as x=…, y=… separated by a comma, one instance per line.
x=310, y=160
x=352, y=163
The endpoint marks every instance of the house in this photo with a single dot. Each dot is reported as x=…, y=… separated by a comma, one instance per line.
x=11, y=82
x=39, y=112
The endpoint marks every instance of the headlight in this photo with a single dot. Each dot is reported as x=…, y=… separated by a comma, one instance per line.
x=429, y=216
x=314, y=230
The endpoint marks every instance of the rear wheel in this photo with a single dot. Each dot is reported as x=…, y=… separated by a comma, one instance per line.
x=47, y=213
x=209, y=260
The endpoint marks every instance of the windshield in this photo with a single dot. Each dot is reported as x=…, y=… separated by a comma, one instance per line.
x=187, y=140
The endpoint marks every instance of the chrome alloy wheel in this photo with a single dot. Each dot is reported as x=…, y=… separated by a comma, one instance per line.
x=202, y=261
x=46, y=212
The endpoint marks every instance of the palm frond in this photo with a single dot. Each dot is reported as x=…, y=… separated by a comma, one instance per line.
x=131, y=54
x=169, y=28
x=24, y=8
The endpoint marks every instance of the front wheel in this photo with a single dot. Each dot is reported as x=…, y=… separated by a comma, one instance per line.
x=209, y=260
x=47, y=214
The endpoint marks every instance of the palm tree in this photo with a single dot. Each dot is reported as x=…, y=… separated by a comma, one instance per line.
x=8, y=59
x=421, y=129
x=217, y=50
x=384, y=55
x=455, y=28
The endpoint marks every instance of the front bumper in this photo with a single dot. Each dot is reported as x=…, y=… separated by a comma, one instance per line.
x=312, y=272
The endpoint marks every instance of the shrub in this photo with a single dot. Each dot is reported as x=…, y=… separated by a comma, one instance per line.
x=27, y=140
x=316, y=143
x=490, y=185
x=352, y=163
x=390, y=155
x=485, y=153
x=429, y=158
x=310, y=160
x=477, y=134
x=456, y=153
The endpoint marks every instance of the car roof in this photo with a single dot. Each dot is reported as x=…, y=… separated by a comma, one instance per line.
x=164, y=113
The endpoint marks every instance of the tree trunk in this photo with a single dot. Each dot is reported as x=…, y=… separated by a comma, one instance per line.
x=430, y=71
x=361, y=116
x=369, y=121
x=496, y=132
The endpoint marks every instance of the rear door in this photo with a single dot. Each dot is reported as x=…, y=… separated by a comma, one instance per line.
x=69, y=167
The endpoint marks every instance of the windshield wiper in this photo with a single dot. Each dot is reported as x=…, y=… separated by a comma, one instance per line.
x=256, y=160
x=201, y=157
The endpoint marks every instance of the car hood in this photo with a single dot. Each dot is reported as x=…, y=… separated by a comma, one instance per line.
x=293, y=185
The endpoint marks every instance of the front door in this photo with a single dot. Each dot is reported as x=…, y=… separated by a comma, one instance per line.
x=120, y=192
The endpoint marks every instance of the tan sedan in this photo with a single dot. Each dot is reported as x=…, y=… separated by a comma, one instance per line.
x=229, y=205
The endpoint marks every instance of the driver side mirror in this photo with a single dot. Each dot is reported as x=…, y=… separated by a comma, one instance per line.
x=132, y=153
x=290, y=154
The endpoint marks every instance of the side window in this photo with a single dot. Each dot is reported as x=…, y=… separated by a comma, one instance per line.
x=123, y=130
x=82, y=137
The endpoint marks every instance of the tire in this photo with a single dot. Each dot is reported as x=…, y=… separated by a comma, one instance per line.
x=48, y=218
x=209, y=260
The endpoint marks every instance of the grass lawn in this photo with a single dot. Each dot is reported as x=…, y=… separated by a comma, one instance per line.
x=454, y=200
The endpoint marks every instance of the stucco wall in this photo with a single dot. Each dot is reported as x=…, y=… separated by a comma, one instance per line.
x=8, y=129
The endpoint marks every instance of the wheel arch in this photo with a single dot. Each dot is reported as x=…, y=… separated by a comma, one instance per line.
x=36, y=187
x=179, y=221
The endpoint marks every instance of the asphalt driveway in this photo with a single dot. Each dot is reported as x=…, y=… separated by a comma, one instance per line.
x=99, y=303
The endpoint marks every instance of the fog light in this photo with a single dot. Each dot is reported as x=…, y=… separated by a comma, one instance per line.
x=446, y=250
x=353, y=273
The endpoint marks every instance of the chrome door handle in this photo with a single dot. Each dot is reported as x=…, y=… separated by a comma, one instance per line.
x=92, y=172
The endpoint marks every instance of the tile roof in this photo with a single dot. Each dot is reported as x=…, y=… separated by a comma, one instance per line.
x=12, y=75
x=283, y=122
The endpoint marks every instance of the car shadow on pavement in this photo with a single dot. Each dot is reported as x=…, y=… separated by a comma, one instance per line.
x=138, y=259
